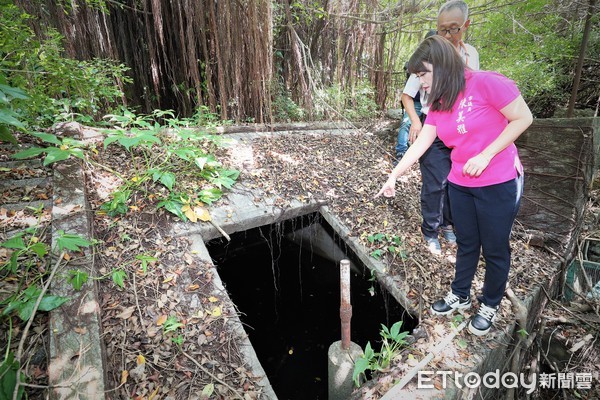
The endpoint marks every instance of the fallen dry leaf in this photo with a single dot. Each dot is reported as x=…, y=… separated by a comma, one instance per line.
x=124, y=376
x=195, y=213
x=161, y=320
x=202, y=213
x=126, y=313
x=154, y=393
x=81, y=330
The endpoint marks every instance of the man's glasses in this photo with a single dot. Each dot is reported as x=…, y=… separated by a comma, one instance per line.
x=452, y=31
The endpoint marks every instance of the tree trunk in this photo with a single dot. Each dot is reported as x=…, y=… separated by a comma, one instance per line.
x=584, y=42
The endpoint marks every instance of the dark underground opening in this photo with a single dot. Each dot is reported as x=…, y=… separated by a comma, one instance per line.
x=284, y=280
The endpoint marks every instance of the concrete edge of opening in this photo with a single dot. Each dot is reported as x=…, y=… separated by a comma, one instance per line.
x=282, y=128
x=234, y=323
x=242, y=215
x=76, y=363
x=371, y=263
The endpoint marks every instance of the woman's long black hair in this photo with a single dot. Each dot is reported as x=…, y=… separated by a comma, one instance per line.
x=448, y=71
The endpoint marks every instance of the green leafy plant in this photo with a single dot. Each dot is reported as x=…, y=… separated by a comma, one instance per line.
x=356, y=103
x=171, y=324
x=9, y=117
x=457, y=320
x=118, y=276
x=160, y=154
x=174, y=203
x=178, y=340
x=523, y=333
x=366, y=362
x=9, y=369
x=63, y=149
x=144, y=259
x=118, y=203
x=24, y=303
x=392, y=342
x=67, y=241
x=133, y=130
x=204, y=117
x=25, y=244
x=27, y=251
x=386, y=244
x=284, y=108
x=372, y=279
x=165, y=152
x=77, y=278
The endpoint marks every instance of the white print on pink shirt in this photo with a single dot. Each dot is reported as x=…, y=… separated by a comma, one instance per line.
x=464, y=103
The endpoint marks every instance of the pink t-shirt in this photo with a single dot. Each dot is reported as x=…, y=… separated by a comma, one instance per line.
x=474, y=122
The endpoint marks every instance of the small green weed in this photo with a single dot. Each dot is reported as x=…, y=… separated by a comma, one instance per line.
x=118, y=277
x=386, y=244
x=62, y=149
x=8, y=377
x=178, y=340
x=372, y=279
x=392, y=342
x=523, y=333
x=171, y=324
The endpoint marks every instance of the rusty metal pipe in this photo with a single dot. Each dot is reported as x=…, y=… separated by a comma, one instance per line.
x=345, y=307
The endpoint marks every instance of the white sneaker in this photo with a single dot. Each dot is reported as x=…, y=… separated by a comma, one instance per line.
x=482, y=322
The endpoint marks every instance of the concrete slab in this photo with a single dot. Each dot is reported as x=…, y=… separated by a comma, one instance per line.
x=46, y=204
x=76, y=354
x=28, y=182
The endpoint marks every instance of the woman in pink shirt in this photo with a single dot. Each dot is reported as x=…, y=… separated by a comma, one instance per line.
x=478, y=115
